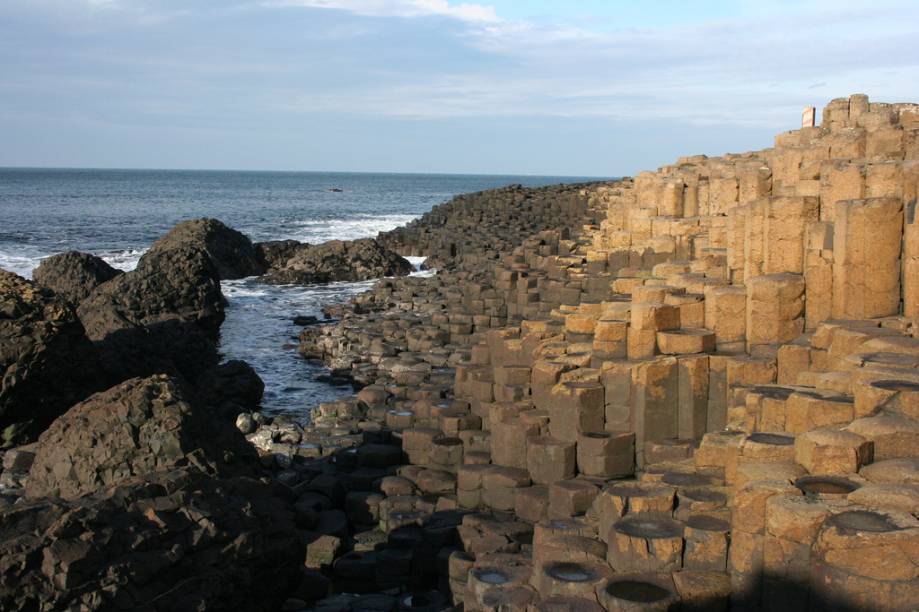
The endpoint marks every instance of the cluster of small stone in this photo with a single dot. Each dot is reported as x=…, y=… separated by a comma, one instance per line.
x=709, y=399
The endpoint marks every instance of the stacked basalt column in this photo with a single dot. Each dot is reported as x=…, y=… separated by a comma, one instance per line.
x=726, y=275
x=739, y=330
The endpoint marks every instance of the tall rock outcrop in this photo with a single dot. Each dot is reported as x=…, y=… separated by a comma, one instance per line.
x=46, y=361
x=164, y=316
x=230, y=251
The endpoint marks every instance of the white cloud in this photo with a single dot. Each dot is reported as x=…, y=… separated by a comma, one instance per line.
x=472, y=13
x=748, y=70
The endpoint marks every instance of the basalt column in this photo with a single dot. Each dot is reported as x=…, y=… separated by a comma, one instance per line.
x=866, y=264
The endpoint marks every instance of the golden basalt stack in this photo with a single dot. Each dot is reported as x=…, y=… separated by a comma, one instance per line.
x=709, y=395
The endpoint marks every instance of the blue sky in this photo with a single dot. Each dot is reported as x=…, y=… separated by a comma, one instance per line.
x=576, y=88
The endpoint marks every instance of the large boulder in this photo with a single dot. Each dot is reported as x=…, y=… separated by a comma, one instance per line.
x=177, y=540
x=231, y=252
x=164, y=316
x=73, y=274
x=339, y=260
x=276, y=253
x=180, y=283
x=47, y=364
x=140, y=426
x=231, y=388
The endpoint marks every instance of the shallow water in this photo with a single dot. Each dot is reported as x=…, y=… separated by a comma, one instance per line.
x=117, y=214
x=259, y=329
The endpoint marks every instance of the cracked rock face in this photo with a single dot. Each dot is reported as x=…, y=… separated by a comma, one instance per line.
x=180, y=283
x=138, y=427
x=230, y=251
x=276, y=253
x=177, y=540
x=46, y=361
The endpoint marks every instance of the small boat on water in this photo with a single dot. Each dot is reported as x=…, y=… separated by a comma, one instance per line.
x=336, y=189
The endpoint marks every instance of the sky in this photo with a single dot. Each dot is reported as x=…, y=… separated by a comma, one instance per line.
x=581, y=88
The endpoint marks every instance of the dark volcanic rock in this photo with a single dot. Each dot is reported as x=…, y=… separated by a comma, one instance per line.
x=233, y=387
x=475, y=227
x=46, y=361
x=137, y=427
x=180, y=283
x=276, y=253
x=231, y=252
x=164, y=316
x=73, y=275
x=178, y=540
x=339, y=260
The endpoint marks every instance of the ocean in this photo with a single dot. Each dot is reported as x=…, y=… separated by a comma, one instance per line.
x=117, y=214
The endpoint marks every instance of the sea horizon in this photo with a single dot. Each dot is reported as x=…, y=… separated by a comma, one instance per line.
x=315, y=172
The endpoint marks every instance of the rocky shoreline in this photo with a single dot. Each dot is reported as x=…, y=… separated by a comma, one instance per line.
x=695, y=389
x=158, y=439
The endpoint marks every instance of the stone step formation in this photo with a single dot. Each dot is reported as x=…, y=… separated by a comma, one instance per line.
x=698, y=389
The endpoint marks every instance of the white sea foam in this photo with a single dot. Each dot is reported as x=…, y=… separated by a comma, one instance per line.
x=21, y=263
x=238, y=288
x=416, y=262
x=24, y=261
x=125, y=260
x=347, y=228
